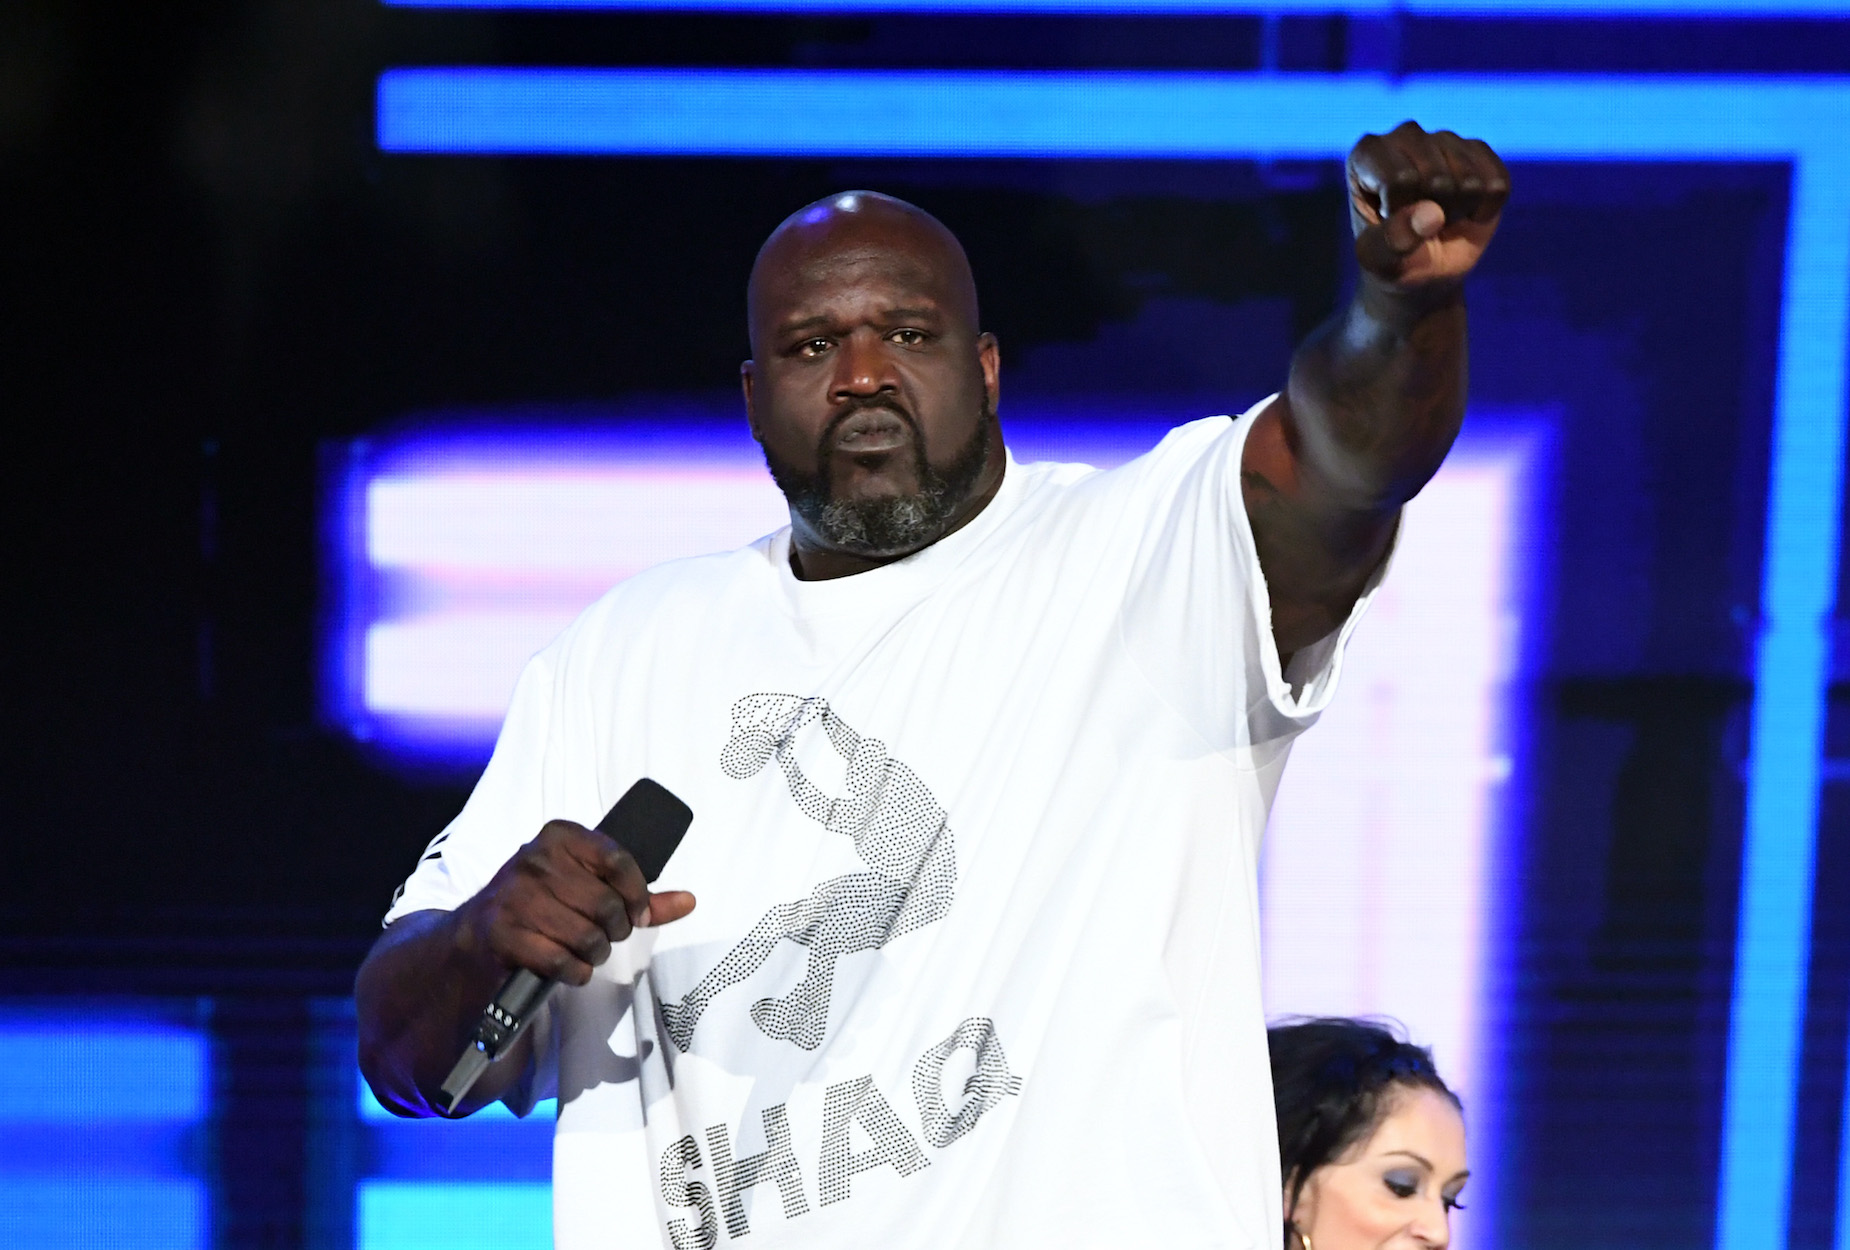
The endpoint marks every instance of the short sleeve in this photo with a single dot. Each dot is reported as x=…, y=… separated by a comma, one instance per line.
x=504, y=812
x=1197, y=619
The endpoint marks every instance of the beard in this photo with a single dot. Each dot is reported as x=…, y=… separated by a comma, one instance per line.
x=898, y=524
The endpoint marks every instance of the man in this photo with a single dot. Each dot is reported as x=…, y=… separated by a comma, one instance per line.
x=979, y=754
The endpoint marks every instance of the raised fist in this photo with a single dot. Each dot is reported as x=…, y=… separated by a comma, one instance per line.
x=1424, y=206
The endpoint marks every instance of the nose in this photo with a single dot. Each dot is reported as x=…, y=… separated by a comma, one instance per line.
x=862, y=369
x=1432, y=1227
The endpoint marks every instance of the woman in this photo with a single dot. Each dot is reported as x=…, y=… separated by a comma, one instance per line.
x=1371, y=1142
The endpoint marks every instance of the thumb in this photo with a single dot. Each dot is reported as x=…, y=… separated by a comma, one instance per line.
x=667, y=907
x=1382, y=248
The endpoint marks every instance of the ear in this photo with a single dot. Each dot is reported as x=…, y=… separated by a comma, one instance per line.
x=746, y=371
x=1300, y=1202
x=989, y=356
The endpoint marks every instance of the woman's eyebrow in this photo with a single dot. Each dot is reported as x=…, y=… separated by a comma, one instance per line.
x=1423, y=1161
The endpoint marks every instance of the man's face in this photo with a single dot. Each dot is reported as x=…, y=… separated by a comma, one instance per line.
x=871, y=391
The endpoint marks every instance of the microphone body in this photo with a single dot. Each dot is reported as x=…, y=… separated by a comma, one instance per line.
x=648, y=822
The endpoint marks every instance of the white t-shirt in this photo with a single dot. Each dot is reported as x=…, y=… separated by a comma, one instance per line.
x=976, y=956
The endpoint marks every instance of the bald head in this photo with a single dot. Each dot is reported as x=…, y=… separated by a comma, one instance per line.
x=842, y=236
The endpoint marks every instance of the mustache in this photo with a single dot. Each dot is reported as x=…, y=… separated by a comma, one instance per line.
x=858, y=404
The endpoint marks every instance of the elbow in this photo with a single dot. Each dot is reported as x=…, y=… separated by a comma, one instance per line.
x=385, y=1044
x=389, y=1078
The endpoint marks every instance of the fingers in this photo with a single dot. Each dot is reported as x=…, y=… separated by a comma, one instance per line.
x=587, y=872
x=610, y=864
x=558, y=942
x=1382, y=178
x=1395, y=171
x=1382, y=248
x=1495, y=177
x=564, y=899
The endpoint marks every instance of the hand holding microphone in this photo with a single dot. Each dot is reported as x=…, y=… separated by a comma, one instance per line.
x=556, y=907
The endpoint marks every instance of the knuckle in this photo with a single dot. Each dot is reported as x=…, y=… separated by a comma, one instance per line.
x=612, y=917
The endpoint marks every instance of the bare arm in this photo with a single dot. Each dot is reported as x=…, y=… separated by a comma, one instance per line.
x=1376, y=393
x=419, y=995
x=555, y=908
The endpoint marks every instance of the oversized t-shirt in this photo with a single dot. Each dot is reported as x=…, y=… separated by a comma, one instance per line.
x=975, y=961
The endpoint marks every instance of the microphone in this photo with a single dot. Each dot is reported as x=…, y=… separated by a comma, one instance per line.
x=648, y=822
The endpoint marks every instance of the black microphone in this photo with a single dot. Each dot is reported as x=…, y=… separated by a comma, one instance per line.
x=648, y=822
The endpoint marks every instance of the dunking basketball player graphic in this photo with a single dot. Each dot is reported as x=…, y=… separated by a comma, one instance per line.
x=899, y=831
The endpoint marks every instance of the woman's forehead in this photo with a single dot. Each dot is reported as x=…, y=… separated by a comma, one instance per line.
x=1422, y=1120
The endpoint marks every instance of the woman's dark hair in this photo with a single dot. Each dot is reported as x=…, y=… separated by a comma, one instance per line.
x=1332, y=1081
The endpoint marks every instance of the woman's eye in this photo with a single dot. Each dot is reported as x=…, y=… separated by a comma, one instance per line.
x=1452, y=1203
x=1401, y=1185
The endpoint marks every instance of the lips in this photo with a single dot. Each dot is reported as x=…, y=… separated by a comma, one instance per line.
x=871, y=431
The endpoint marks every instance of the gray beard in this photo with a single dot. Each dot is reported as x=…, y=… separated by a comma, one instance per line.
x=893, y=526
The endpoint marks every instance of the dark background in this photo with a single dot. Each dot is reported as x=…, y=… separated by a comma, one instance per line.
x=210, y=272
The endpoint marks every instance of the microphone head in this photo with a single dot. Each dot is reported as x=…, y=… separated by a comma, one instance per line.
x=648, y=822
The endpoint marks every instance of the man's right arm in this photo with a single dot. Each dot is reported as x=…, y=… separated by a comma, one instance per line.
x=555, y=908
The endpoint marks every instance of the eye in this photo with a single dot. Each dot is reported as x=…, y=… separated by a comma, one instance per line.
x=813, y=347
x=1452, y=1203
x=907, y=337
x=1401, y=1184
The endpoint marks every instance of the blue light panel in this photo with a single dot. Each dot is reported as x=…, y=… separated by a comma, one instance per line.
x=87, y=1071
x=82, y=1213
x=94, y=1142
x=1089, y=114
x=482, y=1181
x=1207, y=116
x=406, y=1215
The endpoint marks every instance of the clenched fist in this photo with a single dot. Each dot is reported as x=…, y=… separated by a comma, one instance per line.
x=1424, y=206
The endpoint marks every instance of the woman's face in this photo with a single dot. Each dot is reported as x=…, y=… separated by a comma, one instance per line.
x=1394, y=1191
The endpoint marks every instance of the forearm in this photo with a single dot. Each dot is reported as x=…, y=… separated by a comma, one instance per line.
x=1376, y=395
x=418, y=996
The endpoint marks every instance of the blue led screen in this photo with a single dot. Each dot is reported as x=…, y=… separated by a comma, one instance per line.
x=100, y=1143
x=272, y=247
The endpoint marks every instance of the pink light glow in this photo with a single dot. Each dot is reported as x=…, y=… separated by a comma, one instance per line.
x=1378, y=869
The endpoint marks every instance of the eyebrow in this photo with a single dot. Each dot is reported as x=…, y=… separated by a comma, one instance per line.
x=888, y=314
